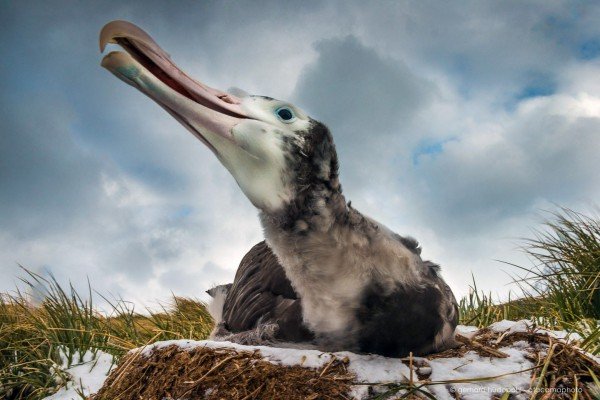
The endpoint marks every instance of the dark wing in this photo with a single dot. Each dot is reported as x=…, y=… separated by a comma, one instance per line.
x=409, y=319
x=262, y=294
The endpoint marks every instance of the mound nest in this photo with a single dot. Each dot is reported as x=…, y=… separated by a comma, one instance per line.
x=172, y=372
x=212, y=374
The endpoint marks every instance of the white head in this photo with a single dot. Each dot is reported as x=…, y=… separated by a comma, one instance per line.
x=266, y=144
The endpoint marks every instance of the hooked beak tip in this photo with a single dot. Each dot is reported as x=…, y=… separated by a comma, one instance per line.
x=107, y=35
x=124, y=29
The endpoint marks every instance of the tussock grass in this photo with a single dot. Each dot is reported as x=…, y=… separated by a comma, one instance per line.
x=561, y=287
x=479, y=309
x=565, y=276
x=36, y=340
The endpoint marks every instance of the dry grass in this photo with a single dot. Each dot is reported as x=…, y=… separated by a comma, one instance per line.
x=560, y=289
x=32, y=336
x=212, y=374
x=565, y=366
x=560, y=369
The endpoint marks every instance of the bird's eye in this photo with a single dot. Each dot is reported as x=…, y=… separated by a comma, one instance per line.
x=285, y=114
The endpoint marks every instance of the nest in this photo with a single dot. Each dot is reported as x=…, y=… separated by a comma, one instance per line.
x=172, y=372
x=203, y=373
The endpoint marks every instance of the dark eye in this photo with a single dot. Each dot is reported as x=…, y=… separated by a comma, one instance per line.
x=285, y=114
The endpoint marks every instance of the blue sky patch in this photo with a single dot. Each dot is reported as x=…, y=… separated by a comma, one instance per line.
x=537, y=85
x=589, y=49
x=535, y=91
x=428, y=148
x=182, y=212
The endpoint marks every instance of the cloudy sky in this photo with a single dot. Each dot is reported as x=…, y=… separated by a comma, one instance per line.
x=456, y=123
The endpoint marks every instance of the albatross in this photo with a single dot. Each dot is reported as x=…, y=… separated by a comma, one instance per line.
x=326, y=274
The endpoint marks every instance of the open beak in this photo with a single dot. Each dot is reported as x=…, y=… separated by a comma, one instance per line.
x=208, y=113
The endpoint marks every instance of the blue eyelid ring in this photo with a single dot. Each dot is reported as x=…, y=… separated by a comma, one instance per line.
x=285, y=114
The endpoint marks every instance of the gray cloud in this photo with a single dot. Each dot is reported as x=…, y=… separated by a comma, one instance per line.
x=493, y=47
x=505, y=171
x=357, y=90
x=368, y=101
x=42, y=170
x=197, y=280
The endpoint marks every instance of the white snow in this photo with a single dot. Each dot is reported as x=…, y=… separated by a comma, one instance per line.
x=510, y=326
x=87, y=375
x=471, y=365
x=525, y=325
x=466, y=331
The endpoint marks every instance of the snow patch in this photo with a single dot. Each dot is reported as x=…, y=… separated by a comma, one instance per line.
x=525, y=325
x=87, y=375
x=466, y=331
x=511, y=326
x=472, y=365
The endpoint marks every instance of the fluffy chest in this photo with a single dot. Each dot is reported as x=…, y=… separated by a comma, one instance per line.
x=330, y=272
x=329, y=296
